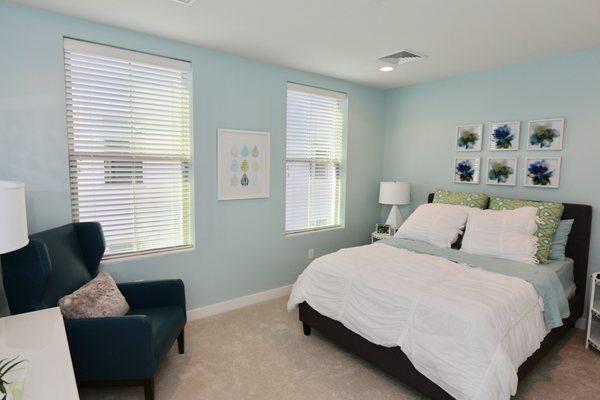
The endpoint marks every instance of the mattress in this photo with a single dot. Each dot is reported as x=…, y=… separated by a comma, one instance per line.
x=564, y=271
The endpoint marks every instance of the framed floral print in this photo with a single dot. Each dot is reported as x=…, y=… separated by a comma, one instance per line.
x=545, y=134
x=468, y=137
x=466, y=170
x=542, y=172
x=504, y=136
x=502, y=171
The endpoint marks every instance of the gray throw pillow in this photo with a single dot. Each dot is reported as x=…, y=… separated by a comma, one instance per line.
x=100, y=297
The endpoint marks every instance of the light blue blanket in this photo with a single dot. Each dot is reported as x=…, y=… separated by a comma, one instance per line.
x=544, y=280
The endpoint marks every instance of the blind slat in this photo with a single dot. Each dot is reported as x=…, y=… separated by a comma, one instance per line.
x=129, y=141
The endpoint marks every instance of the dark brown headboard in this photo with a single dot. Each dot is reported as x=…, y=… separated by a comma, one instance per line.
x=578, y=246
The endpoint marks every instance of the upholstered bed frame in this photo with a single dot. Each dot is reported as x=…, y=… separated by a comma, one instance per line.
x=394, y=361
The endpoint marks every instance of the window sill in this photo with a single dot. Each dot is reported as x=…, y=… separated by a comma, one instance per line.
x=156, y=253
x=316, y=230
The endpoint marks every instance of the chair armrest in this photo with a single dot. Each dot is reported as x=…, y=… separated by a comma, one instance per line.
x=112, y=348
x=145, y=294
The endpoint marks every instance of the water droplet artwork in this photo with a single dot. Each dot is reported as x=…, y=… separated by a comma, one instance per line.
x=245, y=180
x=243, y=164
x=245, y=151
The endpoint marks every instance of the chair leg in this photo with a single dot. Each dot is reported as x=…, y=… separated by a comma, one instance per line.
x=306, y=329
x=181, y=343
x=149, y=389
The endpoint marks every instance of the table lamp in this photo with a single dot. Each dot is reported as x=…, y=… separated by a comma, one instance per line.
x=13, y=220
x=395, y=194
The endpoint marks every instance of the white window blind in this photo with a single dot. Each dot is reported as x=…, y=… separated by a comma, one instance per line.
x=128, y=128
x=315, y=127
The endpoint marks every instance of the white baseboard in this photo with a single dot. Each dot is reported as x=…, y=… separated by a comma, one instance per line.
x=581, y=323
x=233, y=304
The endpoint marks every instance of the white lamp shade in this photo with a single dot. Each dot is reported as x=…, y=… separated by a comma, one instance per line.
x=394, y=193
x=13, y=220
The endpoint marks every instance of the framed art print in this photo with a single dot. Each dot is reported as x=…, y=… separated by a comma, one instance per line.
x=384, y=229
x=243, y=164
x=546, y=134
x=501, y=171
x=468, y=137
x=466, y=170
x=504, y=136
x=542, y=172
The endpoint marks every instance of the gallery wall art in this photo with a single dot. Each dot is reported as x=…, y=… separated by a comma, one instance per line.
x=468, y=137
x=502, y=171
x=243, y=164
x=542, y=172
x=545, y=134
x=466, y=170
x=504, y=136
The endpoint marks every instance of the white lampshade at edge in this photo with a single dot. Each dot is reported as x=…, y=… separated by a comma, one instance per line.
x=13, y=217
x=394, y=193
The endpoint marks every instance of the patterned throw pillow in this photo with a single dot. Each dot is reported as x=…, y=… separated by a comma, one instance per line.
x=475, y=200
x=549, y=214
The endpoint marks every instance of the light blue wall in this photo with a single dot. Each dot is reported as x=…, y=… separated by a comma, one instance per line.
x=240, y=245
x=421, y=122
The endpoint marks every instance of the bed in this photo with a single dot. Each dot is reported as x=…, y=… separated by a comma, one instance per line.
x=395, y=362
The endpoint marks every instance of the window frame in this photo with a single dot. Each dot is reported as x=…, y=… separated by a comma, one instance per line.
x=155, y=60
x=342, y=164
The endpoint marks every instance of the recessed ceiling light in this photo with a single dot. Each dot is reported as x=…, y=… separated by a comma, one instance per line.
x=386, y=68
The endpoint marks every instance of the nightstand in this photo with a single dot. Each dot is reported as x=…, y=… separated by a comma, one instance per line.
x=593, y=324
x=379, y=236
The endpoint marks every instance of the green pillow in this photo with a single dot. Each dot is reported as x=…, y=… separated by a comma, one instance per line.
x=475, y=200
x=559, y=240
x=549, y=214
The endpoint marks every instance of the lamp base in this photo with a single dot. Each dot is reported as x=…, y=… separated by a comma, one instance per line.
x=395, y=218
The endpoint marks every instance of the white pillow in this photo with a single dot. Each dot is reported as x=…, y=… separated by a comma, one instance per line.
x=437, y=224
x=506, y=234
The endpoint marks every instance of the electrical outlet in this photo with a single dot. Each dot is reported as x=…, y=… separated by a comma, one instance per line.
x=311, y=253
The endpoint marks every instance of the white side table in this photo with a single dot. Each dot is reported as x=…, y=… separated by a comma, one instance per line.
x=40, y=338
x=379, y=236
x=593, y=322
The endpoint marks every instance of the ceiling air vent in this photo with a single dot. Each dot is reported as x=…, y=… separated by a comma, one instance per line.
x=402, y=57
x=185, y=2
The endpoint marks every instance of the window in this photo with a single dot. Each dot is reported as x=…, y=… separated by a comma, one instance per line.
x=314, y=153
x=128, y=128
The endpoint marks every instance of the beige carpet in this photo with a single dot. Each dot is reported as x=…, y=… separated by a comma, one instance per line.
x=259, y=352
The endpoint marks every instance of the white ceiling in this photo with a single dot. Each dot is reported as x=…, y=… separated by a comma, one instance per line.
x=343, y=38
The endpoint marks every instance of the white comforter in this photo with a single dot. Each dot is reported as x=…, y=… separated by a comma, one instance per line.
x=466, y=329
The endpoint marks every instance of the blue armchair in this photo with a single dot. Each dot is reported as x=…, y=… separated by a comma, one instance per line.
x=105, y=351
